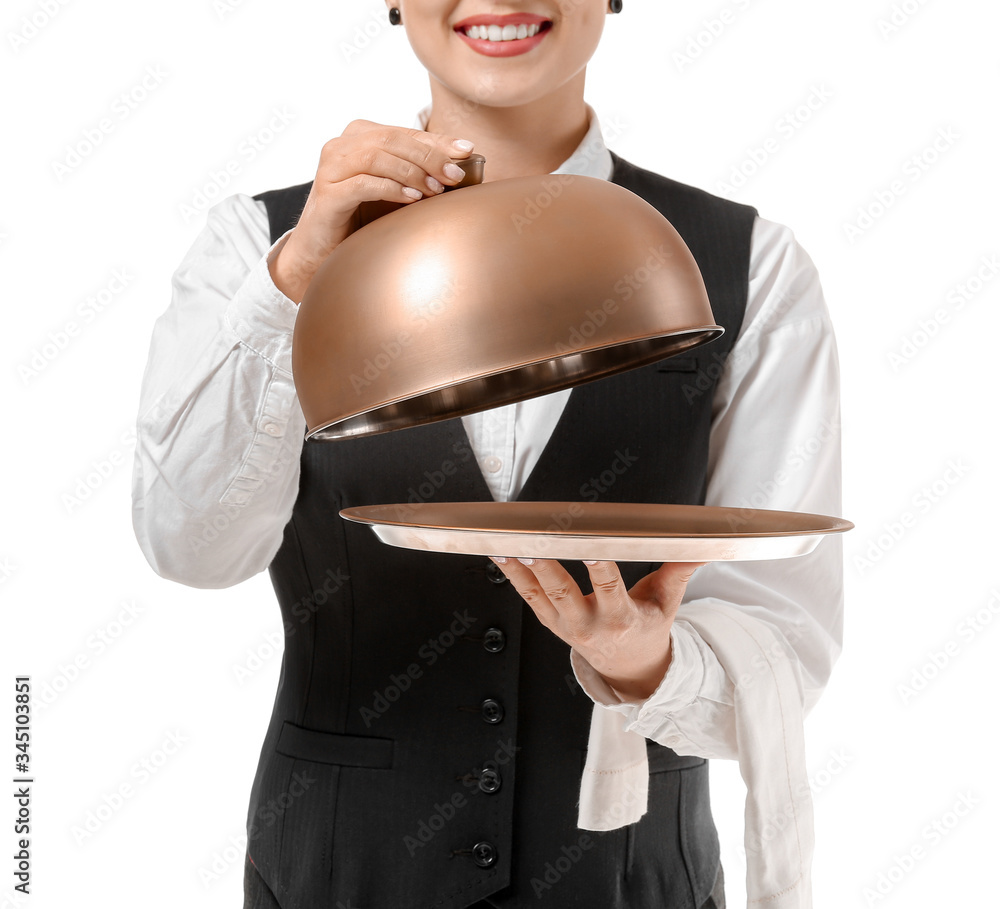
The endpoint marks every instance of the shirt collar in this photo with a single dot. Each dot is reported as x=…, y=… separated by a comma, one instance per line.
x=590, y=159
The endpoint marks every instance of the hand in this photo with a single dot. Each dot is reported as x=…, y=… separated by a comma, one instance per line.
x=623, y=634
x=368, y=162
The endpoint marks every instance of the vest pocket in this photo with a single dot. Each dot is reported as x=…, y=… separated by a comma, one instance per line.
x=332, y=748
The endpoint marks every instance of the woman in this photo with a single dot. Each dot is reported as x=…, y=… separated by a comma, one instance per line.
x=428, y=734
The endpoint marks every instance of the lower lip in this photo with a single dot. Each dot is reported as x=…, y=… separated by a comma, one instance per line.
x=503, y=48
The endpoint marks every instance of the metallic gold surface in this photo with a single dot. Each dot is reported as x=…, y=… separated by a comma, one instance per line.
x=474, y=299
x=623, y=532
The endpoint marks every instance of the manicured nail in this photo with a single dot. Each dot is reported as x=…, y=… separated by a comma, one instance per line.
x=412, y=193
x=500, y=560
x=527, y=561
x=453, y=171
x=463, y=145
x=435, y=185
x=589, y=562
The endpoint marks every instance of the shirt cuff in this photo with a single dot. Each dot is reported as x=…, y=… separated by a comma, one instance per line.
x=679, y=687
x=261, y=316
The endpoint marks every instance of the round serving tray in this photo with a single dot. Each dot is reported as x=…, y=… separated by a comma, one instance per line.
x=621, y=532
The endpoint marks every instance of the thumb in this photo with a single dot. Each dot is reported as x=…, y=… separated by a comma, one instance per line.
x=667, y=584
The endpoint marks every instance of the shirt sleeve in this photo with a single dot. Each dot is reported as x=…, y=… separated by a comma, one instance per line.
x=775, y=444
x=220, y=430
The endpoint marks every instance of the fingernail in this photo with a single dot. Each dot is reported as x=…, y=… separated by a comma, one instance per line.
x=589, y=562
x=435, y=185
x=527, y=561
x=453, y=171
x=500, y=560
x=412, y=193
x=463, y=145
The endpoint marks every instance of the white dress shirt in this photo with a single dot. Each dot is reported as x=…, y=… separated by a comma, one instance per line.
x=220, y=433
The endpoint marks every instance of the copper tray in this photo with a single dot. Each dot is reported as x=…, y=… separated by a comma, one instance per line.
x=622, y=532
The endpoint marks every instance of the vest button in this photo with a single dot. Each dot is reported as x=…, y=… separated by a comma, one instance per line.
x=494, y=640
x=489, y=781
x=494, y=573
x=491, y=710
x=485, y=854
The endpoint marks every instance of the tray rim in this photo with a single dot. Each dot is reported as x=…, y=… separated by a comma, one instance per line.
x=831, y=523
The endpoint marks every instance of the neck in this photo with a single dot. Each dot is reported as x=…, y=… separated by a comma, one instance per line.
x=533, y=138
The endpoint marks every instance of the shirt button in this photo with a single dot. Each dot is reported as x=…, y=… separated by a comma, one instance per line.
x=495, y=573
x=272, y=429
x=493, y=463
x=485, y=854
x=494, y=640
x=489, y=781
x=491, y=710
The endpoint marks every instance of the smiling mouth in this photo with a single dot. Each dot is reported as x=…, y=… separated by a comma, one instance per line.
x=498, y=34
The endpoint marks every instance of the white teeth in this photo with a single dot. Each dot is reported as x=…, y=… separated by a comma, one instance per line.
x=505, y=33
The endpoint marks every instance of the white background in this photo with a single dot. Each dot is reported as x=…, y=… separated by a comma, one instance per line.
x=886, y=765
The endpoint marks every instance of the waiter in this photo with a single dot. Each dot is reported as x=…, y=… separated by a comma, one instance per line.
x=430, y=727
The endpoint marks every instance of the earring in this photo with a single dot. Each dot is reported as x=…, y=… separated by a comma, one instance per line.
x=396, y=18
x=615, y=6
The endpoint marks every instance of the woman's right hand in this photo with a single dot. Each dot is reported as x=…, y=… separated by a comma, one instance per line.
x=368, y=162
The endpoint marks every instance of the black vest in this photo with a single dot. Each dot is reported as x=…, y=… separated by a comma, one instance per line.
x=427, y=740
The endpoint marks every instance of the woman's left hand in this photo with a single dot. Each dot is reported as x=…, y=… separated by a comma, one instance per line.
x=623, y=634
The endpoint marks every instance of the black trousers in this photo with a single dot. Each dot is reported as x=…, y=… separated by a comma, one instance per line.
x=257, y=895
